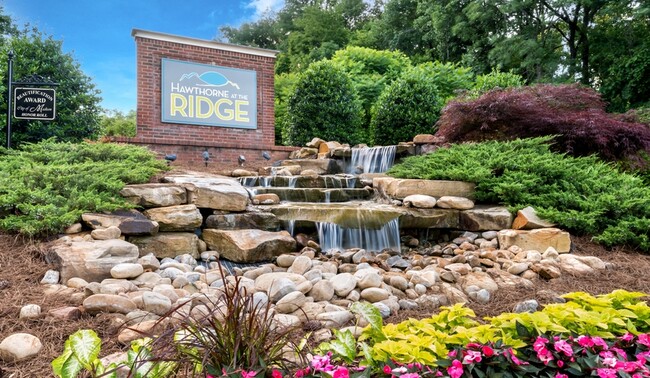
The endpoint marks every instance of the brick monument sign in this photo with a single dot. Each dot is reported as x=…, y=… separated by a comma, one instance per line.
x=196, y=95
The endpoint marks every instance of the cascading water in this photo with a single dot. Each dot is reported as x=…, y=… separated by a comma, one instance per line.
x=372, y=160
x=333, y=237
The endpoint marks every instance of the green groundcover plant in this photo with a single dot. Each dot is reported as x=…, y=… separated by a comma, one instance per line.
x=584, y=195
x=46, y=186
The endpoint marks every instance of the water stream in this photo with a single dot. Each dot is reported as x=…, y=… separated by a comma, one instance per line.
x=372, y=159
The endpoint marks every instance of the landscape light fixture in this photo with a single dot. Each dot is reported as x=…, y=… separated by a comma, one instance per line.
x=170, y=158
x=206, y=156
x=241, y=159
x=266, y=155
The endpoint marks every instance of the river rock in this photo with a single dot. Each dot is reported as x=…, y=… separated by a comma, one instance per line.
x=176, y=218
x=249, y=246
x=30, y=311
x=149, y=262
x=213, y=192
x=343, y=284
x=266, y=281
x=51, y=277
x=402, y=188
x=156, y=303
x=451, y=202
x=481, y=280
x=261, y=221
x=290, y=302
x=19, y=346
x=98, y=303
x=322, y=290
x=367, y=278
x=92, y=260
x=266, y=199
x=126, y=270
x=374, y=294
x=168, y=244
x=112, y=232
x=280, y=288
x=65, y=313
x=539, y=239
x=570, y=264
x=155, y=195
x=420, y=201
x=300, y=265
x=335, y=319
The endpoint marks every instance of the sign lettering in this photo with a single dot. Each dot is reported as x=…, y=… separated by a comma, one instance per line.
x=35, y=103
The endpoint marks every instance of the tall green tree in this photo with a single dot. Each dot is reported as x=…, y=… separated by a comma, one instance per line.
x=77, y=99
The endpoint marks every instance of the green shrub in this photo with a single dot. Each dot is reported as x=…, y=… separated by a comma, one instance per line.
x=47, y=186
x=285, y=84
x=583, y=195
x=325, y=105
x=116, y=123
x=495, y=79
x=411, y=105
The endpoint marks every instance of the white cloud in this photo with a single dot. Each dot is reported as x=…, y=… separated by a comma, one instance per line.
x=262, y=6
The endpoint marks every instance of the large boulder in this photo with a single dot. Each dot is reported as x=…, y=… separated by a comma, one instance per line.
x=261, y=221
x=92, y=260
x=402, y=188
x=527, y=219
x=176, y=218
x=539, y=239
x=485, y=218
x=19, y=346
x=155, y=195
x=428, y=218
x=213, y=192
x=249, y=245
x=130, y=222
x=168, y=244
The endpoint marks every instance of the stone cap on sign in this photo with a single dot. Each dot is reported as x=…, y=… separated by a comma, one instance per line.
x=204, y=43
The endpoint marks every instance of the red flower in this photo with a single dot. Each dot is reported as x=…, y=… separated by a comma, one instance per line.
x=341, y=372
x=387, y=370
x=276, y=374
x=487, y=351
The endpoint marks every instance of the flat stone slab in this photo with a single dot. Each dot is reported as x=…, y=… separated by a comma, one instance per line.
x=320, y=166
x=402, y=188
x=247, y=246
x=212, y=191
x=155, y=195
x=485, y=218
x=539, y=239
x=168, y=244
x=429, y=218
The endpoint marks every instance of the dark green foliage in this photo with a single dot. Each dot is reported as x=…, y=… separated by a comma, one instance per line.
x=45, y=187
x=325, y=105
x=116, y=123
x=411, y=104
x=233, y=335
x=77, y=108
x=583, y=195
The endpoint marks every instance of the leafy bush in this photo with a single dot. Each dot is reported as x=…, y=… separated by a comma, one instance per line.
x=370, y=71
x=229, y=334
x=495, y=80
x=454, y=332
x=47, y=186
x=583, y=195
x=325, y=105
x=411, y=104
x=285, y=84
x=575, y=114
x=116, y=123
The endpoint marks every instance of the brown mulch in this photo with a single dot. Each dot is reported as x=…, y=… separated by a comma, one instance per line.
x=22, y=266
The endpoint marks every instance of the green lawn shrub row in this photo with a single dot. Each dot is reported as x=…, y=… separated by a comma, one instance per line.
x=45, y=187
x=583, y=195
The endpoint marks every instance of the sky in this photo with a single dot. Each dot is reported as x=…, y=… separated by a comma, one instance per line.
x=98, y=32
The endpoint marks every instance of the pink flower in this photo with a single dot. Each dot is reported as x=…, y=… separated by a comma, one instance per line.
x=515, y=360
x=473, y=345
x=539, y=343
x=209, y=376
x=606, y=373
x=644, y=339
x=585, y=341
x=564, y=347
x=455, y=370
x=276, y=374
x=643, y=356
x=627, y=337
x=248, y=374
x=600, y=342
x=322, y=363
x=558, y=375
x=410, y=375
x=609, y=361
x=487, y=351
x=341, y=372
x=452, y=353
x=387, y=369
x=472, y=356
x=560, y=363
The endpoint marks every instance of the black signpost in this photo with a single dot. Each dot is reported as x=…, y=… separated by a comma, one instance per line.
x=29, y=101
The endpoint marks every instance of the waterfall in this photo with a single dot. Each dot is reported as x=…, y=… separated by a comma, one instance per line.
x=336, y=238
x=265, y=182
x=292, y=181
x=372, y=160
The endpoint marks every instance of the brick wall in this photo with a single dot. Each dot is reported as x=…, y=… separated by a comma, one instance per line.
x=189, y=141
